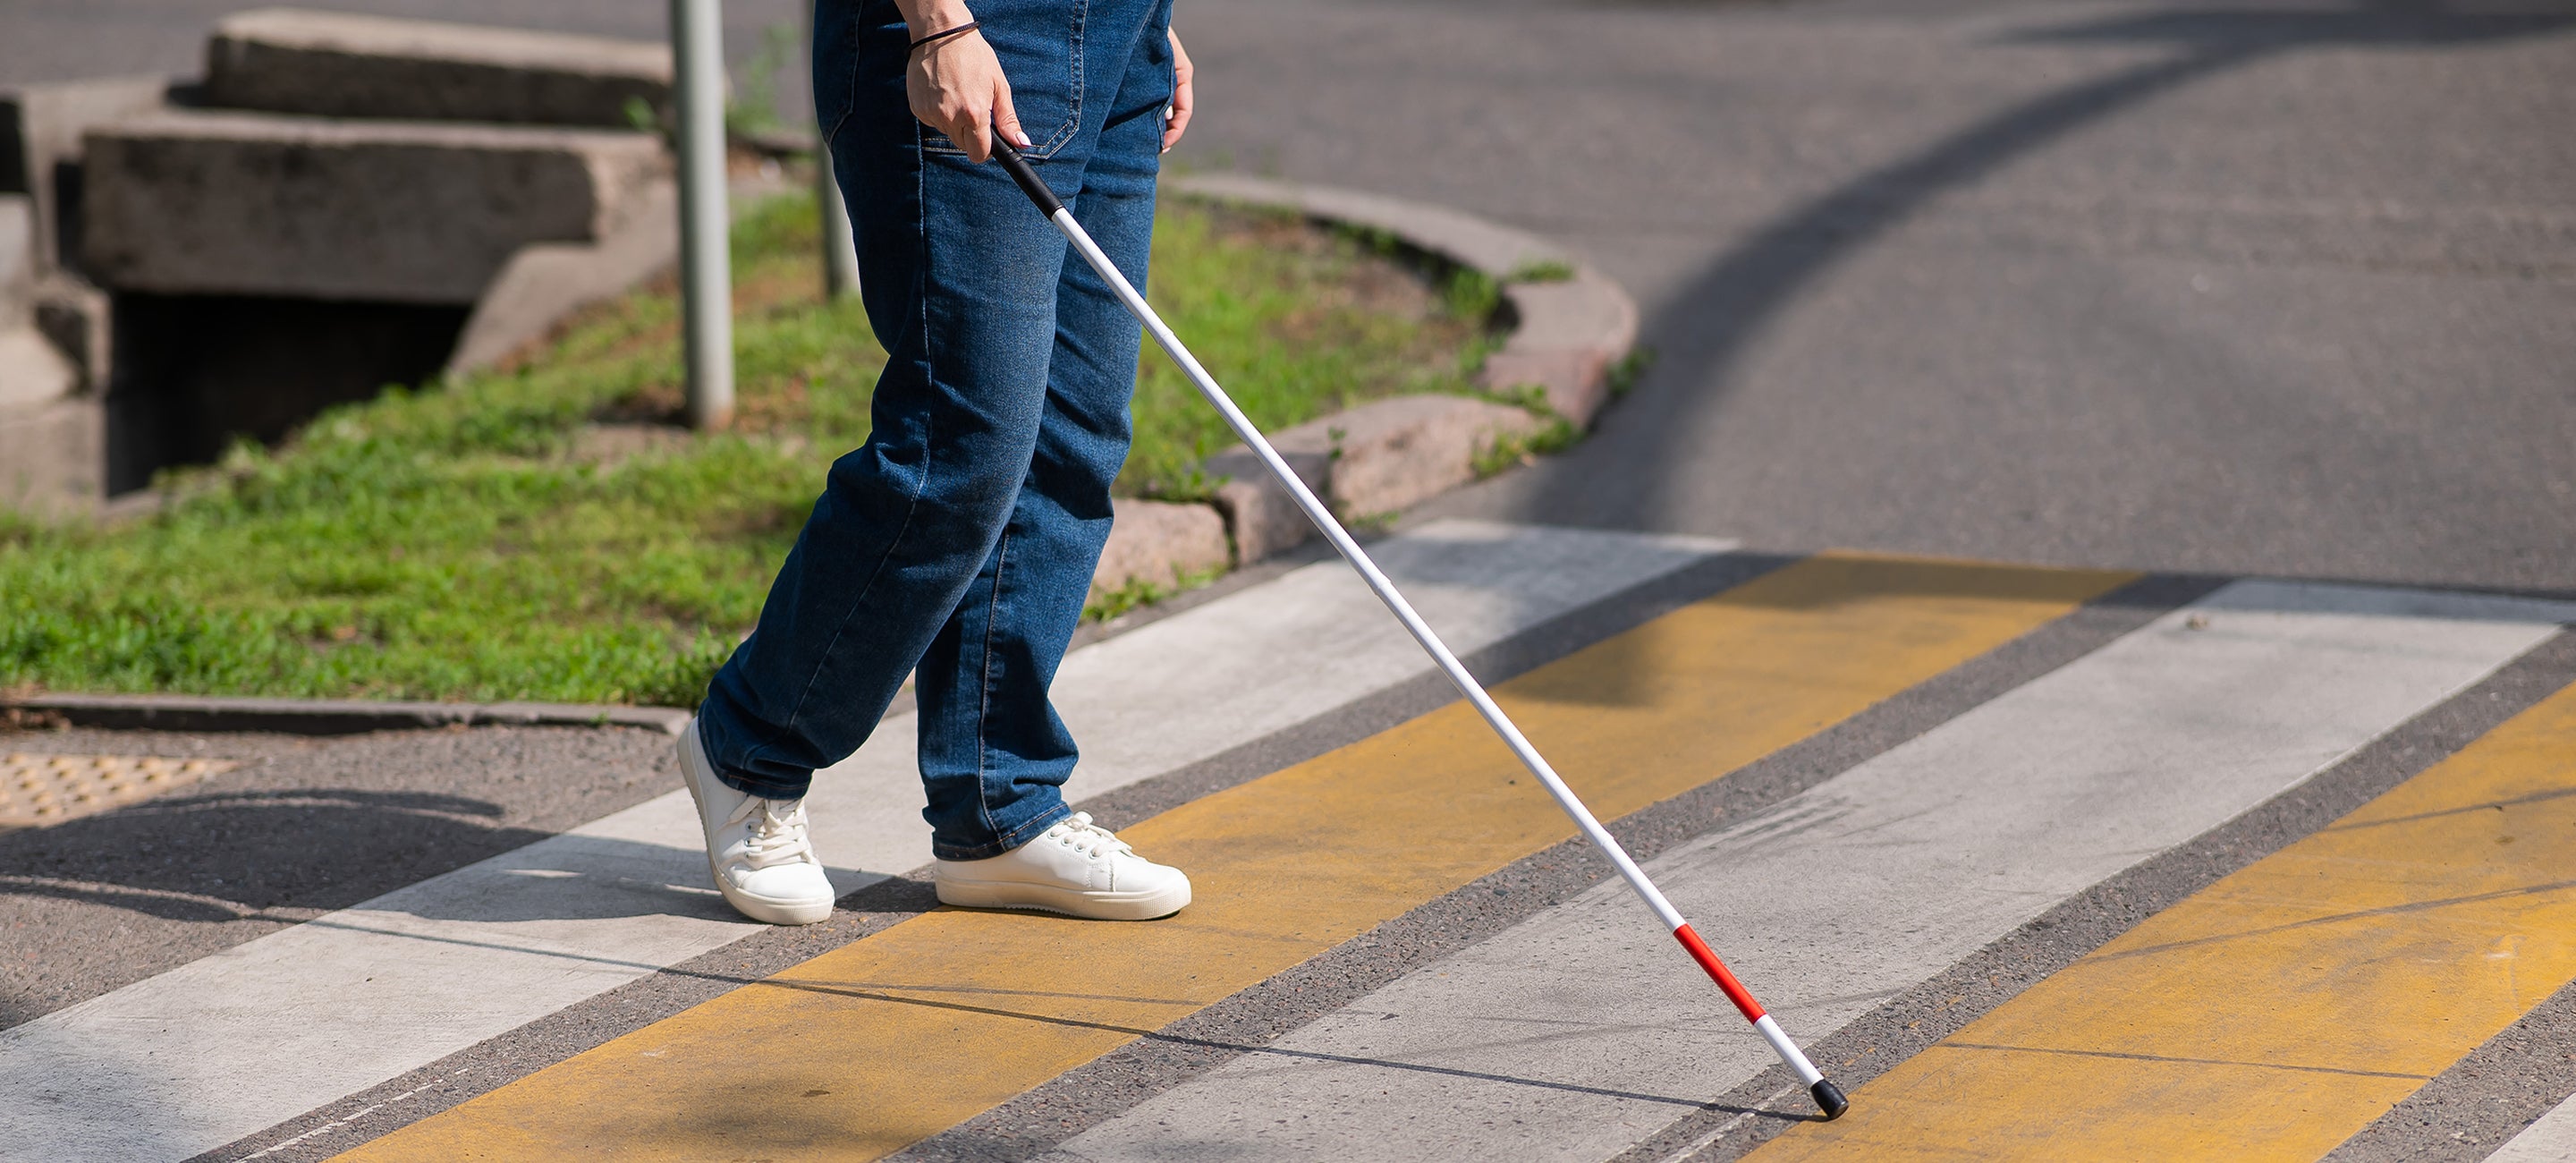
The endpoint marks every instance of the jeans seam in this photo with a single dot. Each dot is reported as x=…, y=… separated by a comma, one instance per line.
x=1073, y=122
x=848, y=107
x=1006, y=841
x=912, y=503
x=1020, y=835
x=984, y=681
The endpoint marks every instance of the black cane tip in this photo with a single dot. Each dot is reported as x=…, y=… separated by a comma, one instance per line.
x=1829, y=1099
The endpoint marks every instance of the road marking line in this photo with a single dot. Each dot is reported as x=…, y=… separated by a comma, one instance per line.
x=2279, y=1011
x=247, y=1038
x=1695, y=1146
x=1848, y=894
x=1285, y=866
x=2549, y=1139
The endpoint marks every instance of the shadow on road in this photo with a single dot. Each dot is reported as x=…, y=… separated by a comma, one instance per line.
x=228, y=856
x=1717, y=316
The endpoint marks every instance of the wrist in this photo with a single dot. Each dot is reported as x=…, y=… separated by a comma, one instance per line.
x=932, y=17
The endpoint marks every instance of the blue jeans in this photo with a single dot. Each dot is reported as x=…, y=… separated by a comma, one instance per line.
x=958, y=543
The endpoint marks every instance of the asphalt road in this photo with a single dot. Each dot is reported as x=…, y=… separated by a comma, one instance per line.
x=2267, y=288
x=304, y=827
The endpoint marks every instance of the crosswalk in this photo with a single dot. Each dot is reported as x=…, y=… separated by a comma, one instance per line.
x=1854, y=890
x=2277, y=1012
x=2272, y=1014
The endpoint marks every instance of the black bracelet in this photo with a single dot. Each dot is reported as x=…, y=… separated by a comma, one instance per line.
x=944, y=34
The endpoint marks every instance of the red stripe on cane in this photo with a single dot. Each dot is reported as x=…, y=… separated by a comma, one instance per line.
x=1735, y=991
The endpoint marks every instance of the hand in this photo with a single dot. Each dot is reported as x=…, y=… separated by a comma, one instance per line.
x=956, y=86
x=1177, y=120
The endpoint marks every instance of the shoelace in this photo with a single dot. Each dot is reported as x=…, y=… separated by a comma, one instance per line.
x=778, y=837
x=1080, y=834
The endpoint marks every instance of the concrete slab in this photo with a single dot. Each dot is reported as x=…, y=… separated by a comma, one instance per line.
x=32, y=373
x=545, y=283
x=53, y=446
x=17, y=259
x=40, y=150
x=192, y=1059
x=401, y=212
x=1581, y=1031
x=337, y=64
x=79, y=320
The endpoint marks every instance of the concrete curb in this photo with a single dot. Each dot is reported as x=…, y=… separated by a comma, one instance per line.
x=1568, y=333
x=326, y=716
x=1571, y=327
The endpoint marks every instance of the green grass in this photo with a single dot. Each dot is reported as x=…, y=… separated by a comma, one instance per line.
x=542, y=532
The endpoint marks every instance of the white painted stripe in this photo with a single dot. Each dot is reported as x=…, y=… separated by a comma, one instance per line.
x=2552, y=1139
x=241, y=1040
x=1578, y=1032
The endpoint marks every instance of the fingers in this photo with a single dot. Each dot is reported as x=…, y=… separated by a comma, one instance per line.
x=1006, y=121
x=1176, y=118
x=957, y=87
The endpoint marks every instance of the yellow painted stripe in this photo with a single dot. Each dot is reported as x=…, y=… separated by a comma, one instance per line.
x=2281, y=1010
x=857, y=1053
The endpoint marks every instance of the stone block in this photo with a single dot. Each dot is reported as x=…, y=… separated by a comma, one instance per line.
x=40, y=150
x=545, y=284
x=1574, y=381
x=333, y=64
x=1391, y=454
x=31, y=371
x=400, y=212
x=1264, y=519
x=72, y=315
x=1158, y=542
x=17, y=259
x=1567, y=337
x=79, y=320
x=53, y=454
x=1396, y=453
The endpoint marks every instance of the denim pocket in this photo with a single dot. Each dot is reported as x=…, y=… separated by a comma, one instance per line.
x=837, y=25
x=1039, y=43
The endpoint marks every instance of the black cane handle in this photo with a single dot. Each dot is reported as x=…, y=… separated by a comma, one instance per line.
x=1027, y=176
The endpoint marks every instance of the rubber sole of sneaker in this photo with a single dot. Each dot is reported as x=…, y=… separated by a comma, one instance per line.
x=1094, y=906
x=768, y=910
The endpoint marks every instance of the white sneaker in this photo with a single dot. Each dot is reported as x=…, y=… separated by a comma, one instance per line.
x=1076, y=867
x=757, y=848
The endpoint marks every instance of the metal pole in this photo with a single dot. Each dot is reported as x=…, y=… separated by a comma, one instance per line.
x=706, y=277
x=840, y=251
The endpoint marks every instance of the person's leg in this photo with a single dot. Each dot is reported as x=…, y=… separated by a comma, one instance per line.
x=993, y=751
x=959, y=281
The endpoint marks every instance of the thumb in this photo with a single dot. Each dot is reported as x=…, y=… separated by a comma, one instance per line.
x=1006, y=121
